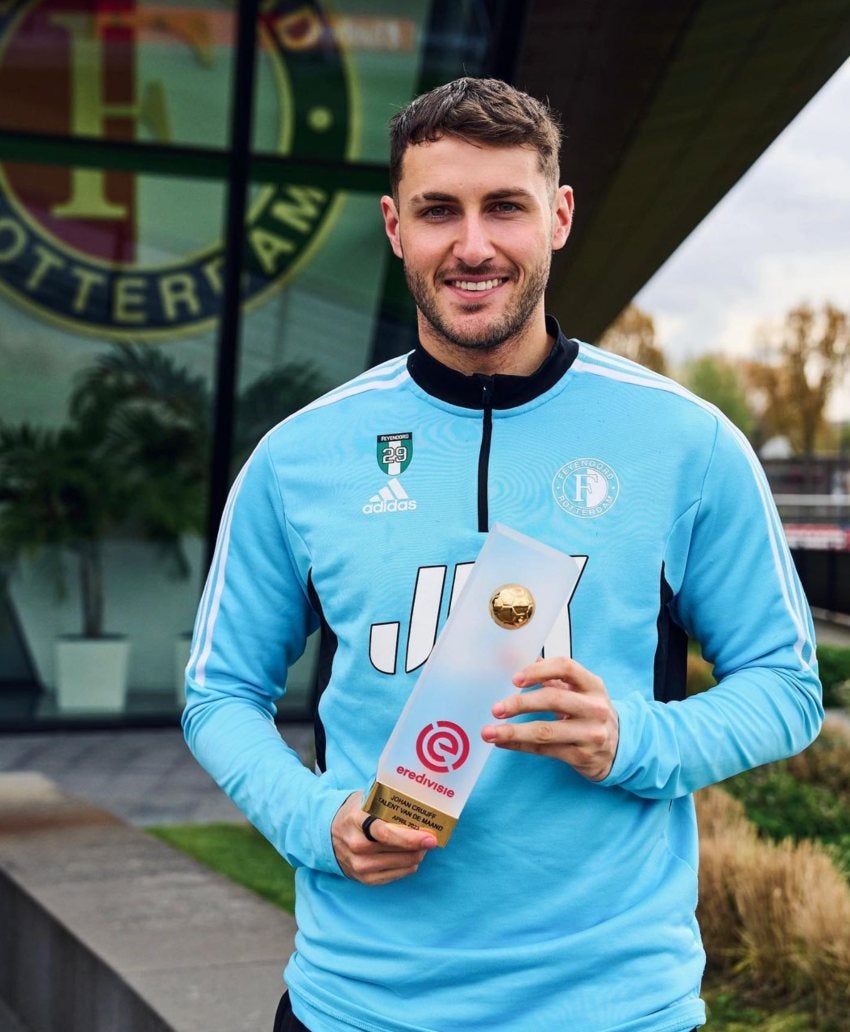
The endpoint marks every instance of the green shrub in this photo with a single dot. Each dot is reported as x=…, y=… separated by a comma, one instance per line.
x=833, y=663
x=834, y=666
x=840, y=853
x=783, y=807
x=826, y=762
x=806, y=796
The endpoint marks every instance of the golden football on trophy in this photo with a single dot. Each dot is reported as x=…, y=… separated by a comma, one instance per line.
x=512, y=606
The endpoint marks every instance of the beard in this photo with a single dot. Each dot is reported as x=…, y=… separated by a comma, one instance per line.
x=509, y=325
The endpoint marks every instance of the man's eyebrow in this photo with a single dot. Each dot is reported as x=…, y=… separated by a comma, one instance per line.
x=493, y=195
x=432, y=195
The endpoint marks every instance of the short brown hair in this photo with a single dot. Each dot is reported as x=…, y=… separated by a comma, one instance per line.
x=486, y=111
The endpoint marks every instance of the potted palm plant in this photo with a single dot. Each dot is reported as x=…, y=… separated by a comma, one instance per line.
x=61, y=494
x=130, y=461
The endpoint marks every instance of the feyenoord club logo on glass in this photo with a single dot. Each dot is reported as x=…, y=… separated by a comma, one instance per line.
x=113, y=253
x=394, y=453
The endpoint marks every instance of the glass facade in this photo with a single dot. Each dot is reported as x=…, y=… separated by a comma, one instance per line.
x=119, y=164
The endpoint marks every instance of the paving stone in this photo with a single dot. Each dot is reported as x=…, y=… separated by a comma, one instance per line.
x=142, y=776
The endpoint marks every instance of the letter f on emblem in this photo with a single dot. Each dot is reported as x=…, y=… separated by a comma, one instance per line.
x=585, y=483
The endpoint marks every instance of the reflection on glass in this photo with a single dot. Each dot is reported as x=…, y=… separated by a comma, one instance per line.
x=123, y=71
x=110, y=292
x=103, y=445
x=153, y=272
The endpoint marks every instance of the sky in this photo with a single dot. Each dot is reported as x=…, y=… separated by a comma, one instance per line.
x=781, y=236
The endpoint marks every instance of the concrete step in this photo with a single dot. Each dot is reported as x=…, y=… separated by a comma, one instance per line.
x=105, y=929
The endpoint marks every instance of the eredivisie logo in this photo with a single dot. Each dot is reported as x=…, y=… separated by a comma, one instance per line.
x=93, y=249
x=442, y=746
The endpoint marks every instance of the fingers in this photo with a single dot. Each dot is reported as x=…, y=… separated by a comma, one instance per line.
x=545, y=736
x=397, y=837
x=396, y=852
x=589, y=747
x=553, y=697
x=586, y=733
x=559, y=668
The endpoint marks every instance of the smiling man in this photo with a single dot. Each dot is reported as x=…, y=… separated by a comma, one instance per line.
x=565, y=900
x=480, y=224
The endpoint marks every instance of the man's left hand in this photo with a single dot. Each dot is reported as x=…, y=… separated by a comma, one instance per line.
x=587, y=732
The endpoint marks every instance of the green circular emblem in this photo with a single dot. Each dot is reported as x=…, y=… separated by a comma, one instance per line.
x=93, y=249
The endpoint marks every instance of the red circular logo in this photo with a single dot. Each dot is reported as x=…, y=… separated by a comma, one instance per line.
x=442, y=746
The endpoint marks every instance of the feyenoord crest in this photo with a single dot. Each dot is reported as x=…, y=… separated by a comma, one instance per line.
x=586, y=488
x=94, y=249
x=394, y=453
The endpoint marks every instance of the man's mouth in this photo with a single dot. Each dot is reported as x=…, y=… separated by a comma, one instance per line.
x=476, y=286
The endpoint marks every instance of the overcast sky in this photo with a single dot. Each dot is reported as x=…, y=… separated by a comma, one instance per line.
x=781, y=236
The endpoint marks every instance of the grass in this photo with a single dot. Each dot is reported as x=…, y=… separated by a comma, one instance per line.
x=240, y=853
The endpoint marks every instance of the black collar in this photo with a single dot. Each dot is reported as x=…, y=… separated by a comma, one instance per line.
x=502, y=391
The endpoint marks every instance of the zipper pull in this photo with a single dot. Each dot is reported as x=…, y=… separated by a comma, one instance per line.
x=487, y=391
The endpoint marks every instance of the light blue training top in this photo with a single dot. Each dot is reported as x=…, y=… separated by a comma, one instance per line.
x=558, y=904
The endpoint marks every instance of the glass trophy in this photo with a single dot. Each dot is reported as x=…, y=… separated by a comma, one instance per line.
x=510, y=602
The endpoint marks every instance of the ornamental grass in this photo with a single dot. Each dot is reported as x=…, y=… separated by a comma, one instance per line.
x=775, y=916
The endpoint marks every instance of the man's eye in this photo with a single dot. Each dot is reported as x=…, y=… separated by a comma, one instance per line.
x=505, y=207
x=439, y=211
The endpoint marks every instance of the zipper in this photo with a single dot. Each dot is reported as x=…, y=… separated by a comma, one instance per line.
x=484, y=452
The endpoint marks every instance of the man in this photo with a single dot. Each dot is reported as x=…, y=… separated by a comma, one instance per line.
x=565, y=898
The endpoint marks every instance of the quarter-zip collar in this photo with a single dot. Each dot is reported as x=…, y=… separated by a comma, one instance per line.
x=501, y=391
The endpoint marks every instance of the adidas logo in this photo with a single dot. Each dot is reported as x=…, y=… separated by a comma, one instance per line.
x=392, y=498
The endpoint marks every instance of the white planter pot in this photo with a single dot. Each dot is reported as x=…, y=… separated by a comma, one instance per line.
x=91, y=674
x=182, y=650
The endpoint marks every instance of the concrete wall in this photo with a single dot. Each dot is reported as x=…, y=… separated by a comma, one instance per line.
x=105, y=929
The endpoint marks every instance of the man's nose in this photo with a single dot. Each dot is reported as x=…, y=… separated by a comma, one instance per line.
x=473, y=246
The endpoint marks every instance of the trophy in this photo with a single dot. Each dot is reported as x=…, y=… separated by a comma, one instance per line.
x=515, y=592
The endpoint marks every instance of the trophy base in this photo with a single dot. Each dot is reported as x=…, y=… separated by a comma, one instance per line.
x=388, y=804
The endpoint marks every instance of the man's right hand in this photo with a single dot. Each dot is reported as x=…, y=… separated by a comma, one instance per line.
x=396, y=853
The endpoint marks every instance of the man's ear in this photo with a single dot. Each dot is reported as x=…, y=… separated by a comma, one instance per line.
x=390, y=213
x=563, y=217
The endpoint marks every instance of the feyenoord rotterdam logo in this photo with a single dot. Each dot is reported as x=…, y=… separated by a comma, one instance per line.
x=442, y=746
x=586, y=488
x=94, y=249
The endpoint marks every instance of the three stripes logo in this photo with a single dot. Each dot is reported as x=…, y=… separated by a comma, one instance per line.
x=392, y=498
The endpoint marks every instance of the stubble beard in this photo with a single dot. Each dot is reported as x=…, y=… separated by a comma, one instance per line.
x=510, y=325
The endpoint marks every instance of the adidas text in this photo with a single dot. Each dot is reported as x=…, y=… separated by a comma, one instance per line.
x=392, y=498
x=382, y=506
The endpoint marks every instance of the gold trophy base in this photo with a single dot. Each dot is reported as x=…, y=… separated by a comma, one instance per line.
x=388, y=804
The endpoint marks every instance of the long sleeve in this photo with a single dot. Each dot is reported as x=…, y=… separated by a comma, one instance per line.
x=736, y=591
x=252, y=624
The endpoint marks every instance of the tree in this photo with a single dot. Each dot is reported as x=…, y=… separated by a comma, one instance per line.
x=720, y=380
x=806, y=358
x=632, y=335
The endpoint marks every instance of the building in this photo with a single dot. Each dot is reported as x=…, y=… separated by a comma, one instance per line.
x=190, y=248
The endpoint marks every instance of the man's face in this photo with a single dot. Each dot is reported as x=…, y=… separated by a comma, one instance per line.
x=476, y=227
